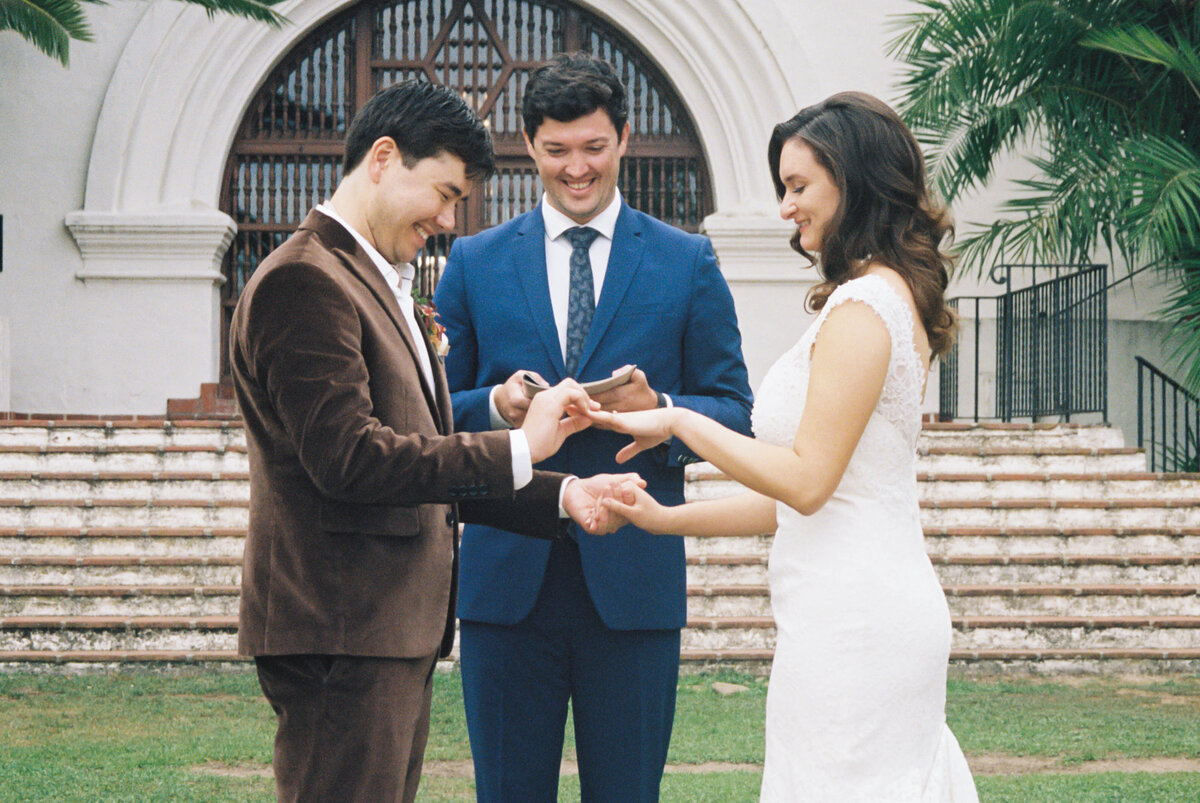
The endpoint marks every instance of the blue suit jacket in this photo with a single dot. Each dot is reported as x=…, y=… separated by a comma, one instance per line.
x=665, y=307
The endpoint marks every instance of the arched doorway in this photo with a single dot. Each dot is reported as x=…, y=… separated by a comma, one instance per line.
x=286, y=156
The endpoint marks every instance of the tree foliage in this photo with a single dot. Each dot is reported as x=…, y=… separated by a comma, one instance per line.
x=1102, y=97
x=50, y=25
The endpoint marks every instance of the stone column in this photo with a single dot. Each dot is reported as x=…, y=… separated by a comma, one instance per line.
x=151, y=304
x=768, y=281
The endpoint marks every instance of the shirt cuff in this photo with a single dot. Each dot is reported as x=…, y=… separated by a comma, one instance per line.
x=494, y=416
x=667, y=399
x=522, y=460
x=562, y=491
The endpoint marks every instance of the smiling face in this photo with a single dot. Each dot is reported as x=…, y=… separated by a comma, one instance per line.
x=408, y=205
x=811, y=195
x=578, y=162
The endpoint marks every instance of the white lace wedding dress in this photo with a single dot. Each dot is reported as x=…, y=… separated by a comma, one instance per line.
x=856, y=703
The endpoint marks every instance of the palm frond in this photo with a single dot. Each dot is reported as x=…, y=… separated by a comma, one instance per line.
x=1163, y=179
x=259, y=10
x=1146, y=45
x=48, y=25
x=1182, y=311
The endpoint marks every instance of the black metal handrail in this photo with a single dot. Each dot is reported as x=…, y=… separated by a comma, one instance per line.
x=1172, y=438
x=1050, y=354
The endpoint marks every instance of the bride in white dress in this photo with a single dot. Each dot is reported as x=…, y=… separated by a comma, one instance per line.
x=856, y=703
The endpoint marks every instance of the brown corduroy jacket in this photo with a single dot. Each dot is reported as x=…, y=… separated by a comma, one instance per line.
x=356, y=478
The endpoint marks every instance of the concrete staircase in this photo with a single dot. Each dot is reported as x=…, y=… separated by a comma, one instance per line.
x=121, y=542
x=1056, y=549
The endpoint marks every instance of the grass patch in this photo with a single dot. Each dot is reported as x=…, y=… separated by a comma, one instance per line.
x=196, y=736
x=1109, y=788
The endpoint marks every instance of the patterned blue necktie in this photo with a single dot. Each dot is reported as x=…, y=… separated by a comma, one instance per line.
x=582, y=301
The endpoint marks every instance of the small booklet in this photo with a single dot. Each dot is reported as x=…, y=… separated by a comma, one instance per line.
x=534, y=386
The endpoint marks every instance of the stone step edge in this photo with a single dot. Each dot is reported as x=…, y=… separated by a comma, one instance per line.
x=926, y=504
x=931, y=477
x=745, y=590
x=126, y=476
x=1046, y=559
x=122, y=532
x=693, y=623
x=975, y=622
x=689, y=656
x=77, y=592
x=147, y=422
x=106, y=449
x=120, y=561
x=931, y=451
x=937, y=532
x=117, y=475
x=64, y=420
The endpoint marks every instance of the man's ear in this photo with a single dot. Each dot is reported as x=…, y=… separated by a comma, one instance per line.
x=623, y=139
x=382, y=151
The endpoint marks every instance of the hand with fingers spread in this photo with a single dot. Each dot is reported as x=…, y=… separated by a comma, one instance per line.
x=649, y=428
x=584, y=500
x=554, y=415
x=510, y=399
x=633, y=504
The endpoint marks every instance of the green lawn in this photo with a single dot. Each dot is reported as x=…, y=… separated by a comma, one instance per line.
x=207, y=737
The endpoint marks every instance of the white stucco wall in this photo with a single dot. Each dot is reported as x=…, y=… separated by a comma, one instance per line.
x=128, y=144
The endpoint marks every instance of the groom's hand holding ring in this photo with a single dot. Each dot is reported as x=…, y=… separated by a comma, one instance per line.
x=554, y=415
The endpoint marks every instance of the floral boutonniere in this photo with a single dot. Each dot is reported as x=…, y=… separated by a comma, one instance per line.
x=427, y=317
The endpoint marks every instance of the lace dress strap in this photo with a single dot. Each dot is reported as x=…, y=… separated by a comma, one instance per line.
x=900, y=401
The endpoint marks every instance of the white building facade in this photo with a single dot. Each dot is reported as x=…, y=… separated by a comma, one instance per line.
x=114, y=236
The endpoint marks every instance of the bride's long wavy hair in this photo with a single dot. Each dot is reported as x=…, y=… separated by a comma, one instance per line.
x=884, y=214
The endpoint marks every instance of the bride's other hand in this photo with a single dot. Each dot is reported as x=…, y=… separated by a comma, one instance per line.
x=649, y=428
x=639, y=508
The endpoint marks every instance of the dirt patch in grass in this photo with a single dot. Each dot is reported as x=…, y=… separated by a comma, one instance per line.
x=1161, y=698
x=234, y=770
x=989, y=764
x=464, y=769
x=998, y=764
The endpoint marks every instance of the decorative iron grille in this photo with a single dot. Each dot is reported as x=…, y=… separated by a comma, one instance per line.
x=287, y=154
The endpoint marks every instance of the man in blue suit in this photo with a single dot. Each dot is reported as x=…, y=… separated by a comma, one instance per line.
x=580, y=286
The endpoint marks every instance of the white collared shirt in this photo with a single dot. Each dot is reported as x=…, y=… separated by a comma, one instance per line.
x=558, y=272
x=400, y=280
x=558, y=257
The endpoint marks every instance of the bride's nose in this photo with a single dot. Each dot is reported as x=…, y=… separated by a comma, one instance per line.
x=787, y=208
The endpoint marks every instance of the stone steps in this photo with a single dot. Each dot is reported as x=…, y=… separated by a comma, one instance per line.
x=122, y=543
x=973, y=633
x=704, y=634
x=988, y=600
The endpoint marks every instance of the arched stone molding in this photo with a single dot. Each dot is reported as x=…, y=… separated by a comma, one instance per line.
x=184, y=81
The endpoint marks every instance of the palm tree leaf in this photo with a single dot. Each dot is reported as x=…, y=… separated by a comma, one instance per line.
x=1162, y=177
x=259, y=10
x=1143, y=44
x=48, y=24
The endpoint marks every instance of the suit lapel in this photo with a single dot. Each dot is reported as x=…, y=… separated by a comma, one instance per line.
x=623, y=262
x=361, y=266
x=529, y=261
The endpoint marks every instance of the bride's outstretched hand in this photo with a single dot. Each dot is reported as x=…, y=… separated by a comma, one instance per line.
x=634, y=505
x=649, y=428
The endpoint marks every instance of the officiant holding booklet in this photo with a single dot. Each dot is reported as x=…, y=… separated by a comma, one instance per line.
x=581, y=286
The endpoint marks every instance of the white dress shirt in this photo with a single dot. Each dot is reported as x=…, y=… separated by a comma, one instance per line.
x=558, y=272
x=400, y=282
